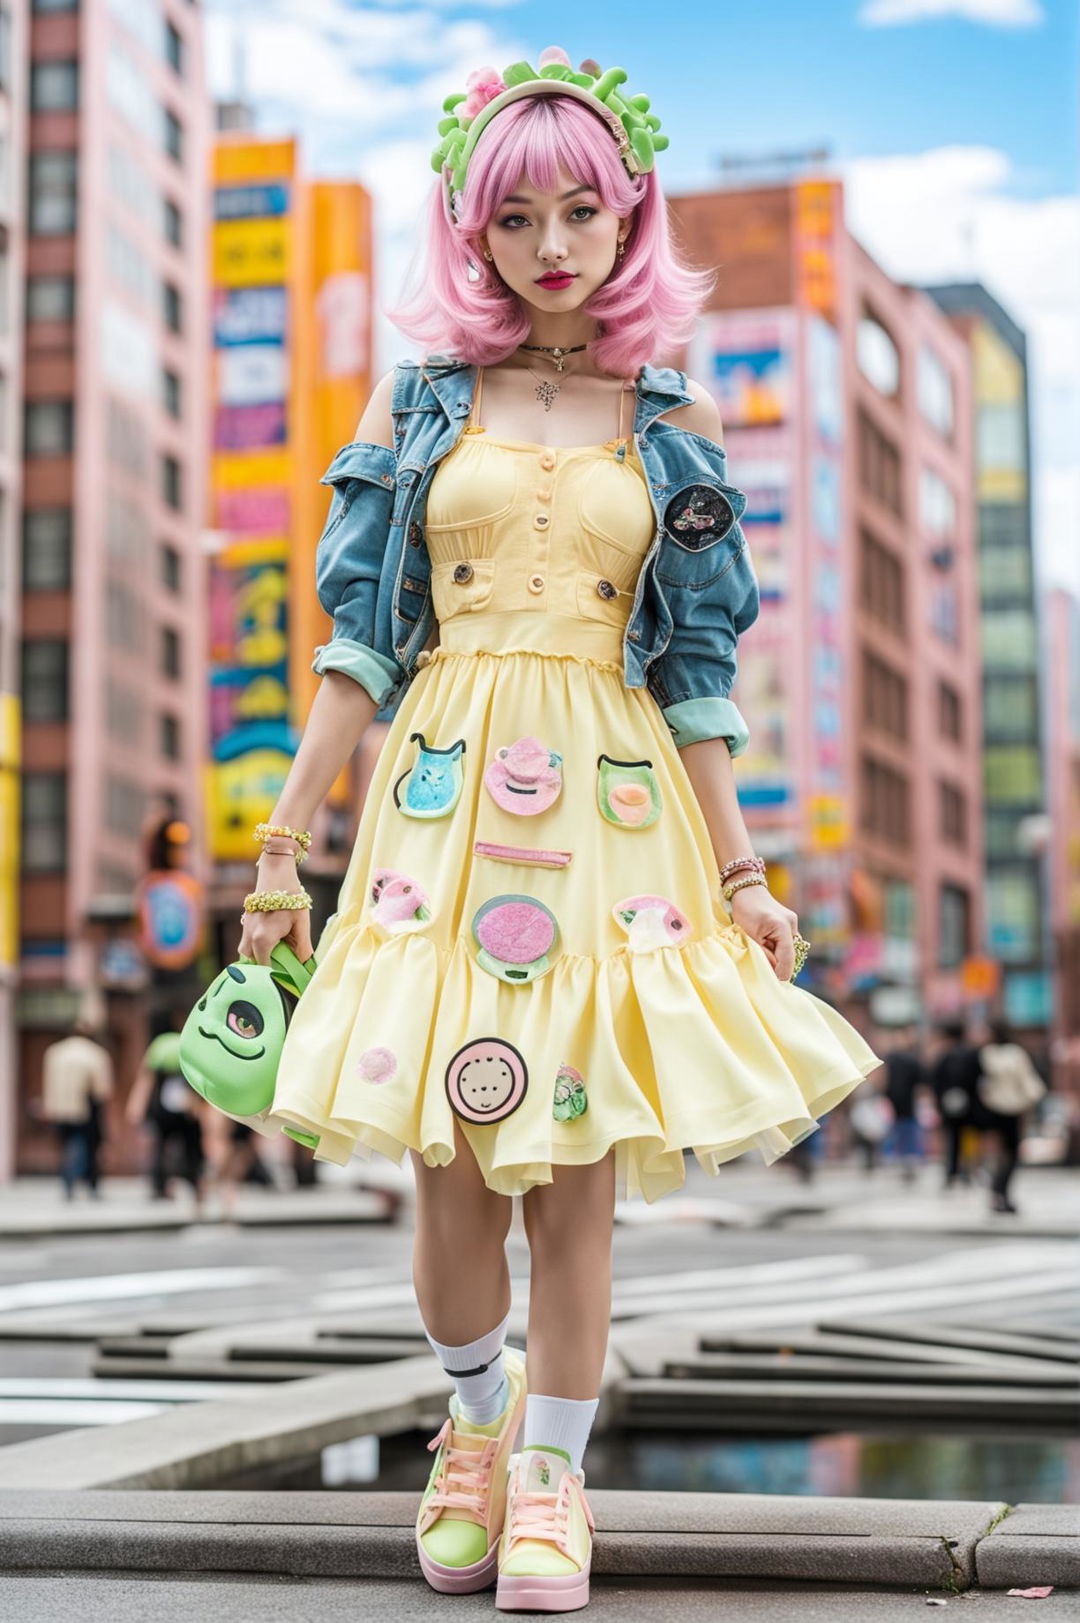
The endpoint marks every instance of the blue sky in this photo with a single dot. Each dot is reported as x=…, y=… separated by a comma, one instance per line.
x=954, y=124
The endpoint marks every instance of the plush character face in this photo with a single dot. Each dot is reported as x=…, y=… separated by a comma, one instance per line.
x=486, y=1080
x=231, y=1041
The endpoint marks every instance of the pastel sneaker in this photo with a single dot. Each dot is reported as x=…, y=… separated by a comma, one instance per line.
x=463, y=1509
x=545, y=1554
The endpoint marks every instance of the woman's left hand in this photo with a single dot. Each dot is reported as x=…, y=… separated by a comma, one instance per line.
x=768, y=922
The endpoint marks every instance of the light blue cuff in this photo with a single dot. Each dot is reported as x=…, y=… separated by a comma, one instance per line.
x=379, y=676
x=692, y=720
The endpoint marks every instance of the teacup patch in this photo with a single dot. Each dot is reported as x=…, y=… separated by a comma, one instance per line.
x=525, y=777
x=651, y=921
x=627, y=792
x=432, y=785
x=517, y=936
x=398, y=902
x=486, y=1080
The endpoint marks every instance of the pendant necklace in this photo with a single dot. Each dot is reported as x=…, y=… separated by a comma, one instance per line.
x=557, y=353
x=547, y=391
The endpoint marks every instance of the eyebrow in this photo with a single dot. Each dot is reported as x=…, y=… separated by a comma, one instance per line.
x=562, y=199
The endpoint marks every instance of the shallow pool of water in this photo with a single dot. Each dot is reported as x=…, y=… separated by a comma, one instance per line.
x=887, y=1466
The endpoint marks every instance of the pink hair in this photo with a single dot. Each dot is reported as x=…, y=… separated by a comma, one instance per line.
x=647, y=306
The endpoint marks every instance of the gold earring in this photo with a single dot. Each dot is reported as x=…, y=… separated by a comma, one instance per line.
x=488, y=256
x=620, y=248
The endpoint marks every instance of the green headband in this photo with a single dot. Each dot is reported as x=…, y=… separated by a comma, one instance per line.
x=635, y=128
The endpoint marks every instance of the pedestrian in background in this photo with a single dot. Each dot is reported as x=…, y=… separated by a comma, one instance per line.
x=905, y=1075
x=1008, y=1087
x=871, y=1119
x=162, y=1100
x=954, y=1079
x=77, y=1079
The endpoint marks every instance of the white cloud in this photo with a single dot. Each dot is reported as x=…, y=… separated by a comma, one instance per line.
x=948, y=215
x=996, y=13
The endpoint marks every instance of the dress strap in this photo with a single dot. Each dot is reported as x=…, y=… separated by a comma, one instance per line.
x=472, y=426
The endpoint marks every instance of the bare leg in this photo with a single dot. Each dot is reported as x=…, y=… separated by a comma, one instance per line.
x=459, y=1259
x=569, y=1224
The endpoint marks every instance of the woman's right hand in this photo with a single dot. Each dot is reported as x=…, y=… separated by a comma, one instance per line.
x=262, y=931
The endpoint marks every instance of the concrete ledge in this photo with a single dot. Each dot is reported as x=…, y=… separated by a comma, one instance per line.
x=859, y=1541
x=1035, y=1544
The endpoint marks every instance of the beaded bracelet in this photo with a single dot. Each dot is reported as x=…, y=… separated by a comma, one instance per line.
x=277, y=901
x=738, y=863
x=266, y=831
x=741, y=884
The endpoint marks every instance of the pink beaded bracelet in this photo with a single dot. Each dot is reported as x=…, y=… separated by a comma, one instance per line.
x=738, y=863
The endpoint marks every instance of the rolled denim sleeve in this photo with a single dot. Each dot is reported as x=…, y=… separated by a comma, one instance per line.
x=348, y=565
x=692, y=679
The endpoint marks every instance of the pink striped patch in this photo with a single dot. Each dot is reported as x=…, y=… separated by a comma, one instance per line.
x=522, y=853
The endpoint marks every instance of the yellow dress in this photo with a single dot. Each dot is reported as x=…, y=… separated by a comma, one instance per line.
x=529, y=936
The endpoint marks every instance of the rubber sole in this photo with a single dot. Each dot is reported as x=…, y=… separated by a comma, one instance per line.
x=567, y=1594
x=460, y=1580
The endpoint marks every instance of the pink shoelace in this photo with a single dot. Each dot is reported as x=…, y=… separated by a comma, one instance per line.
x=465, y=1478
x=546, y=1516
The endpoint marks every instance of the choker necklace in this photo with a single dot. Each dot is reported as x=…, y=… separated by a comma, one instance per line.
x=555, y=351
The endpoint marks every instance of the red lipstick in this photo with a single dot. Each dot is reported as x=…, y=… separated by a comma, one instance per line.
x=554, y=280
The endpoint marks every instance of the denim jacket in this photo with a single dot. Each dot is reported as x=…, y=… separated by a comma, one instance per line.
x=696, y=592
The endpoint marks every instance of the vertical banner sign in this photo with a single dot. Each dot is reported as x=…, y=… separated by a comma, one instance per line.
x=747, y=356
x=253, y=250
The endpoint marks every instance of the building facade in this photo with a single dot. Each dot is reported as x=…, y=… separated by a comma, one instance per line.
x=846, y=401
x=1061, y=617
x=113, y=722
x=1018, y=933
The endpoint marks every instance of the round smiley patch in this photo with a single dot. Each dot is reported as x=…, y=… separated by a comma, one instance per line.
x=698, y=516
x=486, y=1080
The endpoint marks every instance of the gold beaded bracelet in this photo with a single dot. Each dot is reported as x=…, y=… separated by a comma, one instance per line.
x=277, y=901
x=741, y=884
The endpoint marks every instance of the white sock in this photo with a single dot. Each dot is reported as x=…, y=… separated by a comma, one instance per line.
x=559, y=1423
x=477, y=1369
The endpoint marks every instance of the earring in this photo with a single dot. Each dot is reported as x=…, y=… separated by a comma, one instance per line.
x=488, y=256
x=620, y=248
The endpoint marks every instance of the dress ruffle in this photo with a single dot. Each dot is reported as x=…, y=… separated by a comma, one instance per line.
x=695, y=1045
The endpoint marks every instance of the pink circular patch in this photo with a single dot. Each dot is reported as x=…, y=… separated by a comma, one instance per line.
x=377, y=1065
x=515, y=930
x=486, y=1080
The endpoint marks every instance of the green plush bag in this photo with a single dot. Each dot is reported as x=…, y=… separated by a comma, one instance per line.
x=230, y=1047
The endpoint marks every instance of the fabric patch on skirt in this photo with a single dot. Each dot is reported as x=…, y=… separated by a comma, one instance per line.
x=525, y=777
x=537, y=858
x=432, y=785
x=651, y=921
x=627, y=792
x=571, y=1099
x=377, y=1065
x=698, y=516
x=517, y=937
x=398, y=902
x=486, y=1080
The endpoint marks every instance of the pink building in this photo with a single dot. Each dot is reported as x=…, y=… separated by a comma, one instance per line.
x=846, y=401
x=114, y=482
x=1062, y=666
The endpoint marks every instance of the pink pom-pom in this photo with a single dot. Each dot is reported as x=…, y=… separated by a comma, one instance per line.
x=554, y=53
x=483, y=86
x=377, y=1065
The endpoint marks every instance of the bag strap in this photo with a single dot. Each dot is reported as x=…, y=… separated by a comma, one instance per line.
x=288, y=971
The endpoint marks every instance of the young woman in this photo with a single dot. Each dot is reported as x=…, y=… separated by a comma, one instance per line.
x=533, y=983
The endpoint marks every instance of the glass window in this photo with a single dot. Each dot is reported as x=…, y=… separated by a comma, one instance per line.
x=53, y=193
x=170, y=391
x=174, y=47
x=1012, y=905
x=41, y=8
x=1001, y=824
x=172, y=307
x=1010, y=707
x=1012, y=774
x=54, y=87
x=170, y=652
x=878, y=356
x=937, y=505
x=171, y=568
x=122, y=620
x=50, y=298
x=935, y=391
x=173, y=134
x=123, y=713
x=47, y=549
x=45, y=679
x=172, y=493
x=50, y=427
x=44, y=822
x=950, y=712
x=170, y=736
x=5, y=48
x=899, y=908
x=999, y=437
x=952, y=813
x=953, y=926
x=1005, y=572
x=124, y=806
x=172, y=222
x=1009, y=641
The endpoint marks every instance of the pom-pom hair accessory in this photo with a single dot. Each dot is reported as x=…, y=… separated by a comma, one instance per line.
x=635, y=128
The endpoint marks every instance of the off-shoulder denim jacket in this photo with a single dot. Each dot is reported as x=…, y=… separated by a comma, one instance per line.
x=696, y=592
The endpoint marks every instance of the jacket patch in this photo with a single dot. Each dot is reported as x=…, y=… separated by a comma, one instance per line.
x=698, y=516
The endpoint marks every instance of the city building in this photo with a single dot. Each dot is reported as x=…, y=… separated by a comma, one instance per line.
x=114, y=472
x=846, y=402
x=1061, y=617
x=291, y=358
x=1018, y=933
x=14, y=26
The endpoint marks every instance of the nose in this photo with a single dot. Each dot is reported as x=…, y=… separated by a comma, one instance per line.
x=552, y=249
